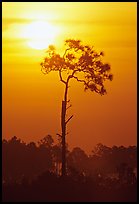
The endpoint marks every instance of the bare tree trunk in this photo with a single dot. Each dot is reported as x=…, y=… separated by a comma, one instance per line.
x=63, y=126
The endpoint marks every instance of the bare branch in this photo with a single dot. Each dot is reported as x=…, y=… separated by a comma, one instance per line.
x=66, y=51
x=60, y=75
x=72, y=75
x=69, y=119
x=68, y=107
x=59, y=135
x=74, y=72
x=80, y=80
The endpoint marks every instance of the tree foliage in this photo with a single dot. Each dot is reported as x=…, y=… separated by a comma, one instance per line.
x=80, y=62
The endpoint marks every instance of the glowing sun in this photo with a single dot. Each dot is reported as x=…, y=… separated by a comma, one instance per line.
x=40, y=34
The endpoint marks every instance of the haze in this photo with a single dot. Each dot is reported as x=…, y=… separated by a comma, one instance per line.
x=31, y=101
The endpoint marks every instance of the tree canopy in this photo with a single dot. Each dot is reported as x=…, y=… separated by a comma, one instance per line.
x=80, y=62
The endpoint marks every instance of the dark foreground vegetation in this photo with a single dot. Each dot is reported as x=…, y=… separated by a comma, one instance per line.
x=32, y=172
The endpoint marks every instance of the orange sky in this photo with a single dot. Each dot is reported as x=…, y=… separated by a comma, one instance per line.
x=31, y=101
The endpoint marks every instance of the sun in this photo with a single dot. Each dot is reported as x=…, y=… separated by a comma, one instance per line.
x=40, y=34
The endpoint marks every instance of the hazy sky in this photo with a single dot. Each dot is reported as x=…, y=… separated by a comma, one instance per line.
x=31, y=101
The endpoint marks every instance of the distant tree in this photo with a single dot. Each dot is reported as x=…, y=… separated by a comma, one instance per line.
x=126, y=173
x=101, y=150
x=21, y=160
x=13, y=159
x=47, y=141
x=79, y=62
x=56, y=153
x=77, y=159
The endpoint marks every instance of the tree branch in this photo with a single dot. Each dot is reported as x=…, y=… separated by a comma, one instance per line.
x=69, y=119
x=80, y=80
x=68, y=107
x=65, y=52
x=72, y=75
x=74, y=72
x=59, y=135
x=60, y=75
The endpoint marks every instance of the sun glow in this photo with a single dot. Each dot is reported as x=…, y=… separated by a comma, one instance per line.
x=40, y=34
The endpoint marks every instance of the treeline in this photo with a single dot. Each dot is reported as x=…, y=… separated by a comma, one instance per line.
x=32, y=173
x=21, y=160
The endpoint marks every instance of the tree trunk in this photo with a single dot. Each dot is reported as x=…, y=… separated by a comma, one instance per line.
x=63, y=126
